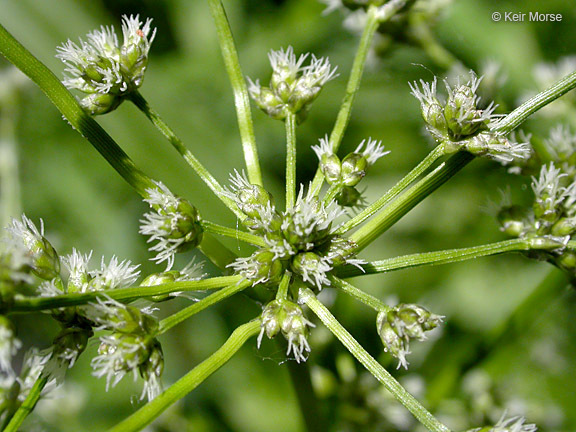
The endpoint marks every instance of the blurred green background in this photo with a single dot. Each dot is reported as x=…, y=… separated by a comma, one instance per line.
x=508, y=342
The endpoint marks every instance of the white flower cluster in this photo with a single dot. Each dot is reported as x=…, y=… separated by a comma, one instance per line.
x=105, y=70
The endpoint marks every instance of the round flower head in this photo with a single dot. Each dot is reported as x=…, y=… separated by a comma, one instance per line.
x=174, y=223
x=293, y=87
x=103, y=69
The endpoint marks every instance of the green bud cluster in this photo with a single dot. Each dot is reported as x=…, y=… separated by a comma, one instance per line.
x=300, y=239
x=462, y=123
x=287, y=317
x=347, y=173
x=102, y=69
x=550, y=221
x=398, y=325
x=293, y=87
x=174, y=223
x=130, y=347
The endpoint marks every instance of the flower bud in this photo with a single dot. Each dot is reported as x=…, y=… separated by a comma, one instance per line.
x=287, y=317
x=44, y=261
x=462, y=116
x=100, y=103
x=261, y=267
x=563, y=227
x=330, y=167
x=151, y=371
x=70, y=343
x=340, y=250
x=250, y=200
x=175, y=223
x=312, y=268
x=513, y=220
x=353, y=169
x=399, y=324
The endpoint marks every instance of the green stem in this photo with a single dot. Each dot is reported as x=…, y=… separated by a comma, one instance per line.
x=27, y=406
x=241, y=99
x=29, y=304
x=407, y=201
x=520, y=114
x=173, y=320
x=423, y=35
x=282, y=293
x=190, y=381
x=375, y=368
x=360, y=295
x=372, y=22
x=331, y=193
x=73, y=112
x=137, y=99
x=213, y=228
x=290, y=123
x=377, y=205
x=445, y=256
x=216, y=252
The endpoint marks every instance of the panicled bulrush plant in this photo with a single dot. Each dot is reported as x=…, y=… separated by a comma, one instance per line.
x=295, y=248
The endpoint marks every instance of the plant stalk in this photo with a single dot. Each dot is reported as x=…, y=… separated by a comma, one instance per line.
x=190, y=381
x=375, y=368
x=241, y=99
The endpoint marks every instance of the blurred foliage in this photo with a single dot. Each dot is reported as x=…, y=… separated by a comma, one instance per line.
x=497, y=351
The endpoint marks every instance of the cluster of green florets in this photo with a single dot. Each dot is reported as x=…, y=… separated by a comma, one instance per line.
x=105, y=70
x=300, y=240
x=462, y=122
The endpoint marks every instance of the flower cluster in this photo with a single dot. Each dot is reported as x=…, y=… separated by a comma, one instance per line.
x=103, y=69
x=300, y=239
x=293, y=87
x=345, y=174
x=552, y=216
x=173, y=222
x=286, y=317
x=461, y=122
x=398, y=325
x=130, y=347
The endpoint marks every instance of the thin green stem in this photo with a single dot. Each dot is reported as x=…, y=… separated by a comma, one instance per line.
x=446, y=256
x=423, y=35
x=241, y=99
x=408, y=200
x=377, y=205
x=29, y=304
x=234, y=233
x=216, y=252
x=331, y=193
x=73, y=112
x=375, y=368
x=520, y=114
x=173, y=320
x=27, y=406
x=372, y=22
x=190, y=381
x=142, y=104
x=290, y=123
x=359, y=295
x=282, y=293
